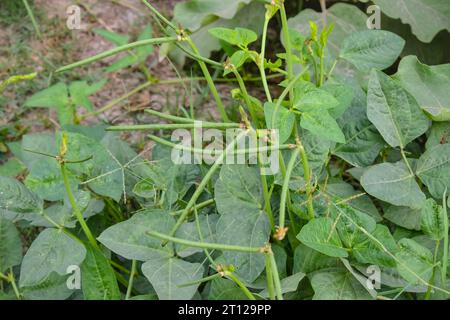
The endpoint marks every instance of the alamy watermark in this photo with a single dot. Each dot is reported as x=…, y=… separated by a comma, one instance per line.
x=234, y=146
x=73, y=21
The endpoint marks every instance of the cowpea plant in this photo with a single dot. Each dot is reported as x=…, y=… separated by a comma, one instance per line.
x=357, y=211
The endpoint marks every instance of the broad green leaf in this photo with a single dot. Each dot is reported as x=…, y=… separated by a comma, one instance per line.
x=98, y=278
x=283, y=120
x=51, y=251
x=323, y=125
x=394, y=111
x=307, y=260
x=16, y=198
x=53, y=287
x=362, y=203
x=321, y=235
x=191, y=14
x=55, y=96
x=369, y=49
x=439, y=134
x=370, y=251
x=224, y=289
x=426, y=18
x=432, y=220
x=238, y=37
x=430, y=85
x=415, y=262
x=167, y=274
x=363, y=143
x=239, y=200
x=12, y=168
x=46, y=181
x=404, y=217
x=343, y=94
x=308, y=98
x=80, y=92
x=130, y=240
x=10, y=245
x=349, y=222
x=189, y=231
x=433, y=169
x=338, y=285
x=393, y=183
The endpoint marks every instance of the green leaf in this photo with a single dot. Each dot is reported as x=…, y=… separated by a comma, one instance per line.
x=130, y=239
x=369, y=49
x=191, y=14
x=433, y=168
x=114, y=37
x=308, y=98
x=363, y=143
x=167, y=274
x=439, y=134
x=393, y=183
x=432, y=220
x=283, y=120
x=80, y=92
x=394, y=111
x=238, y=37
x=321, y=235
x=369, y=251
x=53, y=287
x=307, y=260
x=288, y=284
x=426, y=18
x=189, y=231
x=52, y=251
x=430, y=85
x=98, y=279
x=239, y=200
x=361, y=203
x=16, y=198
x=404, y=217
x=10, y=245
x=323, y=125
x=338, y=285
x=347, y=18
x=224, y=289
x=416, y=261
x=343, y=94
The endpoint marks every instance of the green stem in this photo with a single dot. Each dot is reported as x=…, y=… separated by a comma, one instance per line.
x=266, y=195
x=428, y=293
x=169, y=116
x=205, y=125
x=12, y=281
x=285, y=188
x=131, y=280
x=210, y=82
x=406, y=161
x=307, y=176
x=159, y=15
x=241, y=285
x=204, y=182
x=203, y=245
x=210, y=152
x=289, y=61
x=32, y=18
x=269, y=276
x=115, y=51
x=198, y=57
x=262, y=59
x=203, y=280
x=246, y=97
x=75, y=208
x=276, y=276
x=199, y=206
